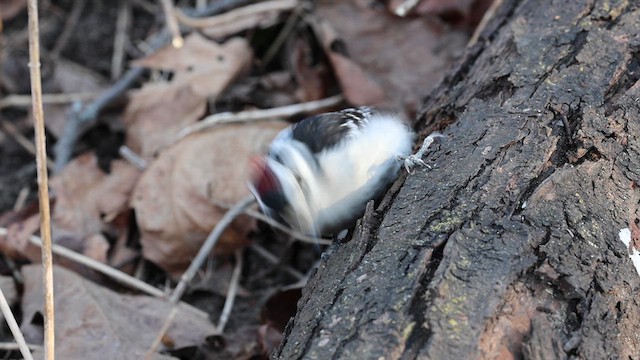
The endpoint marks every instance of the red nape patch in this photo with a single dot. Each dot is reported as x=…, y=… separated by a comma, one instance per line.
x=263, y=178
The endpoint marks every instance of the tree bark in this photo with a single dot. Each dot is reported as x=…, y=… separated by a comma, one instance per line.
x=509, y=246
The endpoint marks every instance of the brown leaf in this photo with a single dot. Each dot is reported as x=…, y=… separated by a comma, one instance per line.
x=68, y=77
x=10, y=8
x=406, y=56
x=358, y=87
x=176, y=198
x=86, y=196
x=93, y=322
x=202, y=69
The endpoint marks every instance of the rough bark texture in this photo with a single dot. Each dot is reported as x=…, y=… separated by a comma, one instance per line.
x=509, y=246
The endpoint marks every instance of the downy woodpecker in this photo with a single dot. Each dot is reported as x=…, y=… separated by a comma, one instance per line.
x=320, y=172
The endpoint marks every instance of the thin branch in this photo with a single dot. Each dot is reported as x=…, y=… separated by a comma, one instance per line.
x=43, y=185
x=115, y=274
x=208, y=245
x=261, y=114
x=16, y=346
x=10, y=129
x=231, y=293
x=236, y=15
x=123, y=22
x=25, y=100
x=15, y=329
x=135, y=159
x=163, y=330
x=69, y=26
x=293, y=233
x=265, y=254
x=172, y=24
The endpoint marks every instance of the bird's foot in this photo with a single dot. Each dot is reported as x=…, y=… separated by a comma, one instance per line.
x=413, y=160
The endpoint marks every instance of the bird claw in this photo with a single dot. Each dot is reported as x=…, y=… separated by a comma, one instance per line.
x=411, y=161
x=415, y=159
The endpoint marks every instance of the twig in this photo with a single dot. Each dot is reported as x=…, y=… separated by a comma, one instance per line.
x=15, y=329
x=403, y=9
x=43, y=184
x=282, y=36
x=16, y=346
x=295, y=234
x=274, y=260
x=21, y=199
x=172, y=24
x=269, y=221
x=10, y=129
x=488, y=15
x=83, y=115
x=208, y=245
x=115, y=274
x=69, y=26
x=231, y=293
x=163, y=330
x=236, y=15
x=120, y=40
x=135, y=159
x=25, y=100
x=260, y=114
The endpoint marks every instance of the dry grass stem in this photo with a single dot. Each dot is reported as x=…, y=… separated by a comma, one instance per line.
x=236, y=15
x=43, y=183
x=15, y=329
x=231, y=293
x=132, y=157
x=172, y=24
x=163, y=330
x=265, y=254
x=261, y=114
x=10, y=129
x=121, y=39
x=25, y=100
x=104, y=269
x=208, y=245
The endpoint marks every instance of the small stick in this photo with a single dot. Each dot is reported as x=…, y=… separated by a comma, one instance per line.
x=16, y=346
x=274, y=260
x=403, y=9
x=163, y=330
x=43, y=185
x=132, y=157
x=293, y=233
x=21, y=199
x=69, y=26
x=260, y=114
x=488, y=15
x=208, y=245
x=104, y=269
x=15, y=329
x=236, y=15
x=231, y=293
x=25, y=100
x=10, y=129
x=119, y=42
x=172, y=24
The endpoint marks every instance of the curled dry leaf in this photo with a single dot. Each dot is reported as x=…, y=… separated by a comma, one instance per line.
x=406, y=56
x=93, y=322
x=177, y=198
x=10, y=8
x=87, y=199
x=201, y=69
x=356, y=84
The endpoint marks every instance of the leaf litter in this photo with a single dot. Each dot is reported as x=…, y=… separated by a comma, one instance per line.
x=150, y=221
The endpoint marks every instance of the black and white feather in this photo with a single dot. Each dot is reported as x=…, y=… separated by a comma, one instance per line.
x=320, y=172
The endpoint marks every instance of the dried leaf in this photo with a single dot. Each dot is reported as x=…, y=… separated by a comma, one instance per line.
x=93, y=322
x=406, y=56
x=86, y=196
x=10, y=8
x=202, y=69
x=176, y=199
x=358, y=87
